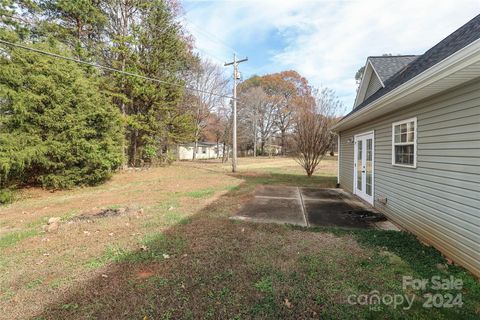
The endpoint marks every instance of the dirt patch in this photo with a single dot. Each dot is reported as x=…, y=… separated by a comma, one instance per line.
x=103, y=213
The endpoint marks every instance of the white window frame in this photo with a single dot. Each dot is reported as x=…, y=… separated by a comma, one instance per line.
x=414, y=120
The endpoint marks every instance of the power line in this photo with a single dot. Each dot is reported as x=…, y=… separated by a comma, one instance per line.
x=54, y=55
x=210, y=35
x=209, y=55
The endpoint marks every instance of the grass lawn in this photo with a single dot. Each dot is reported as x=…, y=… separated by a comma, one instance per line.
x=174, y=253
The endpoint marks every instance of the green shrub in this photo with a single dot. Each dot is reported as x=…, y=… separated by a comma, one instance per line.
x=57, y=128
x=6, y=196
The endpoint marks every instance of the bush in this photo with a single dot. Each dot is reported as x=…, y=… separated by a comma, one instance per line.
x=57, y=129
x=169, y=157
x=6, y=196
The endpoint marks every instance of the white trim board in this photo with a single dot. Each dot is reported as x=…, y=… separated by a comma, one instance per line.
x=364, y=196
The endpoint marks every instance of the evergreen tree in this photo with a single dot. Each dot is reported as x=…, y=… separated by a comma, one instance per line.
x=57, y=129
x=77, y=23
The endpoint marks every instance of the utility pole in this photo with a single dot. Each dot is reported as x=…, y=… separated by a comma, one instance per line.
x=236, y=76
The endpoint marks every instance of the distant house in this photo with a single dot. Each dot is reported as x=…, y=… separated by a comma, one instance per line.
x=273, y=149
x=204, y=150
x=411, y=145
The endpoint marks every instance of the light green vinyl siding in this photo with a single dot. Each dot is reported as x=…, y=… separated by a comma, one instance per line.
x=440, y=199
x=373, y=85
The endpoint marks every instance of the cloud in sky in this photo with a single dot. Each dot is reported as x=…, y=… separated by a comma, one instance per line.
x=325, y=41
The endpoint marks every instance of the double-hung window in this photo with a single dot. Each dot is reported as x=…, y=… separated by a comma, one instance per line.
x=404, y=143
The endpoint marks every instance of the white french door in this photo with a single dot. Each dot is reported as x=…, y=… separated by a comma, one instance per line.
x=363, y=181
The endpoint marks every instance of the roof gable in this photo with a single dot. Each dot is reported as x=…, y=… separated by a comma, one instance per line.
x=369, y=76
x=378, y=70
x=459, y=39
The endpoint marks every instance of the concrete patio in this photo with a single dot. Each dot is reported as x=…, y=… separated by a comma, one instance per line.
x=311, y=207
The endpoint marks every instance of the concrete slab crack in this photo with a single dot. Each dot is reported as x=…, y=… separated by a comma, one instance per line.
x=303, y=207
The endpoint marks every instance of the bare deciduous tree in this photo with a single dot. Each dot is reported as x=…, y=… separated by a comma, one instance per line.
x=313, y=137
x=257, y=112
x=225, y=113
x=210, y=81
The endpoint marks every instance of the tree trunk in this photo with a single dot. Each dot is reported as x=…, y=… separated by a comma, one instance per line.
x=283, y=134
x=124, y=112
x=255, y=136
x=227, y=153
x=133, y=158
x=255, y=143
x=223, y=153
x=195, y=146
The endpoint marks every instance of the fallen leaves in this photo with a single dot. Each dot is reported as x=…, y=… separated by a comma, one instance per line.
x=145, y=274
x=287, y=303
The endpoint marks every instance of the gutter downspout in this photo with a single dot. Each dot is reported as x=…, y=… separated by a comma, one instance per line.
x=338, y=160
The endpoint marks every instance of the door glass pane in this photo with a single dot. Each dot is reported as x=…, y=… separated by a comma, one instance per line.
x=359, y=164
x=368, y=167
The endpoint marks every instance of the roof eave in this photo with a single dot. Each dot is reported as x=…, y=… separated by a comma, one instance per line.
x=418, y=87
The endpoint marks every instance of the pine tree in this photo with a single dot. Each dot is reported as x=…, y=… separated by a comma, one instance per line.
x=57, y=128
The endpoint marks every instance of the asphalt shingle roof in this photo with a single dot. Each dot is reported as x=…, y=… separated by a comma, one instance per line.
x=387, y=66
x=459, y=39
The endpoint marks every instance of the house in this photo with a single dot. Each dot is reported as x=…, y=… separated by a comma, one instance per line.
x=204, y=150
x=272, y=149
x=411, y=145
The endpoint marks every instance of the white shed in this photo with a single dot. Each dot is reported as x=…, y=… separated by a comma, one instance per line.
x=204, y=150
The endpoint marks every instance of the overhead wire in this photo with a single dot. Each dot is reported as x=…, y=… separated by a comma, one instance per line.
x=210, y=35
x=95, y=65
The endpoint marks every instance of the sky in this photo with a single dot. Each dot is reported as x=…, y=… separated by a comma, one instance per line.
x=326, y=41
